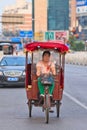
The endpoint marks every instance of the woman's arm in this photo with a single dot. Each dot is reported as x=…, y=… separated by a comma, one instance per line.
x=53, y=69
x=38, y=69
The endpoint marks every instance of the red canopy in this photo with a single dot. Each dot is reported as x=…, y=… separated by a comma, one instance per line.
x=59, y=46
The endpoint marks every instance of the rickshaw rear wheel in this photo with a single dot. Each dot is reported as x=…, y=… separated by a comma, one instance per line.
x=58, y=107
x=30, y=107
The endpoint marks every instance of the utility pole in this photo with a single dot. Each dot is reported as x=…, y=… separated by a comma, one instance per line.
x=33, y=18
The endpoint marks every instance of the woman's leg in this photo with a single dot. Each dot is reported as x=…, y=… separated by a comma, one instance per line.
x=40, y=86
x=51, y=88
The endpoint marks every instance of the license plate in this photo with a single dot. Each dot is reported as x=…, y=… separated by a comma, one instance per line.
x=12, y=79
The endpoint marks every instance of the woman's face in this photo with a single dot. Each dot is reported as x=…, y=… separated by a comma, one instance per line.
x=46, y=58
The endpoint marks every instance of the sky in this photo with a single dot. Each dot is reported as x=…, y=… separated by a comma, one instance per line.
x=4, y=3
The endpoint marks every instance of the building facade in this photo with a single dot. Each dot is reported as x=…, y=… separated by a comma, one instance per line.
x=51, y=15
x=17, y=17
x=81, y=14
x=78, y=17
x=72, y=13
x=40, y=15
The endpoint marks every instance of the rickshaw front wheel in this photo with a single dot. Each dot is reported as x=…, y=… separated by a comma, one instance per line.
x=30, y=107
x=47, y=115
x=47, y=109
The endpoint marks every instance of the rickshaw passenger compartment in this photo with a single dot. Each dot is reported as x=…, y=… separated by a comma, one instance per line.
x=57, y=93
x=33, y=92
x=28, y=75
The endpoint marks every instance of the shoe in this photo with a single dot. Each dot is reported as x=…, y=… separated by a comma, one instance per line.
x=36, y=103
x=42, y=95
x=50, y=110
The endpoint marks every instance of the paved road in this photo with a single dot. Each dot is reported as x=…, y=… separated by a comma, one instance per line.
x=76, y=82
x=73, y=112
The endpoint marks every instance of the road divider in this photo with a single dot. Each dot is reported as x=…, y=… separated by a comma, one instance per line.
x=77, y=58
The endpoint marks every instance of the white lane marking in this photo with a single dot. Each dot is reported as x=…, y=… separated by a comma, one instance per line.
x=75, y=100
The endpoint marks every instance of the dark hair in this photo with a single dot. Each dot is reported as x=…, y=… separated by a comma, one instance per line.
x=46, y=52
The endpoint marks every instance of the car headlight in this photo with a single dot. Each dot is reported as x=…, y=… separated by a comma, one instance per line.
x=24, y=73
x=1, y=73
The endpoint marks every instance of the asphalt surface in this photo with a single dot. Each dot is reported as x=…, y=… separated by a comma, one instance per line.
x=73, y=111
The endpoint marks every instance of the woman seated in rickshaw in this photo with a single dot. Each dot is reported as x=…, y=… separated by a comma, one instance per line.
x=45, y=66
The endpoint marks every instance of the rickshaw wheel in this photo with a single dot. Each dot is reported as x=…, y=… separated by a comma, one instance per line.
x=47, y=109
x=30, y=107
x=47, y=115
x=58, y=107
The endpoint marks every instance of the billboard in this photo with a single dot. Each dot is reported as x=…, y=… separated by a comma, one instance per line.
x=39, y=36
x=81, y=3
x=49, y=35
x=81, y=6
x=56, y=35
x=28, y=34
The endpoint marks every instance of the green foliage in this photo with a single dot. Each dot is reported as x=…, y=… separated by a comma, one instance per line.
x=76, y=45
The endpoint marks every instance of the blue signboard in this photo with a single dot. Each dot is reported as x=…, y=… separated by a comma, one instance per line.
x=81, y=6
x=28, y=34
x=81, y=3
x=16, y=39
x=22, y=34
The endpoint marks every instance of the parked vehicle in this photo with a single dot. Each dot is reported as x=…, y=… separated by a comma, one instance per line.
x=7, y=48
x=12, y=71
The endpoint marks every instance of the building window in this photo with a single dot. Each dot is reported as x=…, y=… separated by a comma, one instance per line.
x=58, y=15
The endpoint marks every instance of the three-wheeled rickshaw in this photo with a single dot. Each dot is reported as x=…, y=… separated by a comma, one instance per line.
x=35, y=49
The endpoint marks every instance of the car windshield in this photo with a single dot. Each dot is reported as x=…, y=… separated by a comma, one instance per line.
x=13, y=61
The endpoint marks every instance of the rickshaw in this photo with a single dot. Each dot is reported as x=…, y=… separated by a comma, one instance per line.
x=31, y=85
